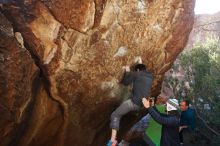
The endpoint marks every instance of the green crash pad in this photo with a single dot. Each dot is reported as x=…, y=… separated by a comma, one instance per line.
x=154, y=129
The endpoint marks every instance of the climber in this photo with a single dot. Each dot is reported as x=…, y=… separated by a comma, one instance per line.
x=141, y=79
x=170, y=122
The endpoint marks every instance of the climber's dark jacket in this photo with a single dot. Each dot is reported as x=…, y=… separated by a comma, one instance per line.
x=142, y=81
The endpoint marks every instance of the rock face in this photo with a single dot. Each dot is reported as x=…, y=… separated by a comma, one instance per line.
x=61, y=63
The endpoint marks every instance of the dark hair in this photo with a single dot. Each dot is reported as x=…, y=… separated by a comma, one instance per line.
x=186, y=102
x=140, y=67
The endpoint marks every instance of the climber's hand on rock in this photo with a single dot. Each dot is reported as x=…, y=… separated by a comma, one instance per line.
x=126, y=68
x=138, y=60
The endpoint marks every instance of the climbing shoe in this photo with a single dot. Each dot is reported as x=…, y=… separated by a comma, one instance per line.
x=110, y=143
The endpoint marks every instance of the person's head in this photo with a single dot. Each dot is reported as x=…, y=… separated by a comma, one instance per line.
x=172, y=106
x=140, y=67
x=184, y=105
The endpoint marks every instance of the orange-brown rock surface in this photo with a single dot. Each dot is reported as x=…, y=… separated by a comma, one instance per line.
x=61, y=62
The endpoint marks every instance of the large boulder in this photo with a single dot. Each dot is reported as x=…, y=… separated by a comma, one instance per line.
x=67, y=74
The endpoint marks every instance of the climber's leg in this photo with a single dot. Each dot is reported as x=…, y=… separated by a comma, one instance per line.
x=123, y=109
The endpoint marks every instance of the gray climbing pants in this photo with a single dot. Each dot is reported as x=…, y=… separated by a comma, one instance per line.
x=123, y=109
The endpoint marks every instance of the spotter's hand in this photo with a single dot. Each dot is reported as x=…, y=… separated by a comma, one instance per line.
x=146, y=102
